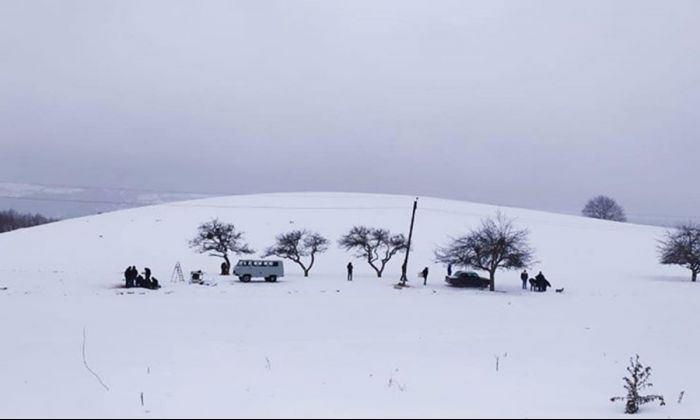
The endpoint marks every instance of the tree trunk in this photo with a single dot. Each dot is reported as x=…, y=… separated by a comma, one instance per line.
x=377, y=270
x=695, y=276
x=227, y=271
x=381, y=269
x=492, y=277
x=303, y=267
x=311, y=264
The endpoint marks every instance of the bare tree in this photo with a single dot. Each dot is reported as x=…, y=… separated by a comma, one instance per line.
x=298, y=245
x=605, y=208
x=682, y=247
x=496, y=244
x=219, y=239
x=375, y=245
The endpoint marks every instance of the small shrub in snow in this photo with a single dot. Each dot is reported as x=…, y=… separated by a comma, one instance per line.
x=635, y=384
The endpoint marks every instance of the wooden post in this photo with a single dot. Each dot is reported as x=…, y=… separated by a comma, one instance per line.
x=404, y=267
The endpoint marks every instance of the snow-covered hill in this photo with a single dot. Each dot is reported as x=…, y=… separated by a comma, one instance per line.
x=321, y=346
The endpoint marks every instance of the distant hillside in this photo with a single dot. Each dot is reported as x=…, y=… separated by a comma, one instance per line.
x=13, y=220
x=66, y=202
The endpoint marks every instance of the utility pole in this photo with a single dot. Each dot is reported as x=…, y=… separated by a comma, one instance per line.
x=404, y=267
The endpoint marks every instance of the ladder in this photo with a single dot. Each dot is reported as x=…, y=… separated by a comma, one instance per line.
x=177, y=276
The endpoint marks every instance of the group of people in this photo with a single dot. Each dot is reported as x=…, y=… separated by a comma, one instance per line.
x=145, y=280
x=538, y=284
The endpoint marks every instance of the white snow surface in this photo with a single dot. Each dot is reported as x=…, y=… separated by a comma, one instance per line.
x=324, y=347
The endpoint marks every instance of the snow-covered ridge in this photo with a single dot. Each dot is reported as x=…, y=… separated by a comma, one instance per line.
x=321, y=346
x=157, y=235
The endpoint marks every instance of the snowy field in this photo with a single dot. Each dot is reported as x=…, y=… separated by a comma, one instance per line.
x=320, y=346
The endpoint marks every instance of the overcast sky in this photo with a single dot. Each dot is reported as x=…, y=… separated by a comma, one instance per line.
x=533, y=104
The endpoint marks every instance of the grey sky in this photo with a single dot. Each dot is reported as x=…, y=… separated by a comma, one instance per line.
x=534, y=104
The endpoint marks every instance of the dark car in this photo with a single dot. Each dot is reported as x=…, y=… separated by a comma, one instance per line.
x=467, y=279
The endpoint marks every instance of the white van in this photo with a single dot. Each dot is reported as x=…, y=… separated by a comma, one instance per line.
x=246, y=270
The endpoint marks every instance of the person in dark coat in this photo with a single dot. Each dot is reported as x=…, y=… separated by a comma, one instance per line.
x=350, y=268
x=128, y=276
x=424, y=274
x=540, y=277
x=524, y=277
x=147, y=274
x=542, y=283
x=225, y=269
x=140, y=281
x=134, y=274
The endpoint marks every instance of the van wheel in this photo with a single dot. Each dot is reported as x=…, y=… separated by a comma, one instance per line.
x=245, y=279
x=272, y=279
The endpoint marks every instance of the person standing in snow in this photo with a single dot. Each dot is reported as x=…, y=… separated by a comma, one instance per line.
x=350, y=268
x=129, y=276
x=542, y=283
x=225, y=269
x=524, y=276
x=424, y=274
x=540, y=276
